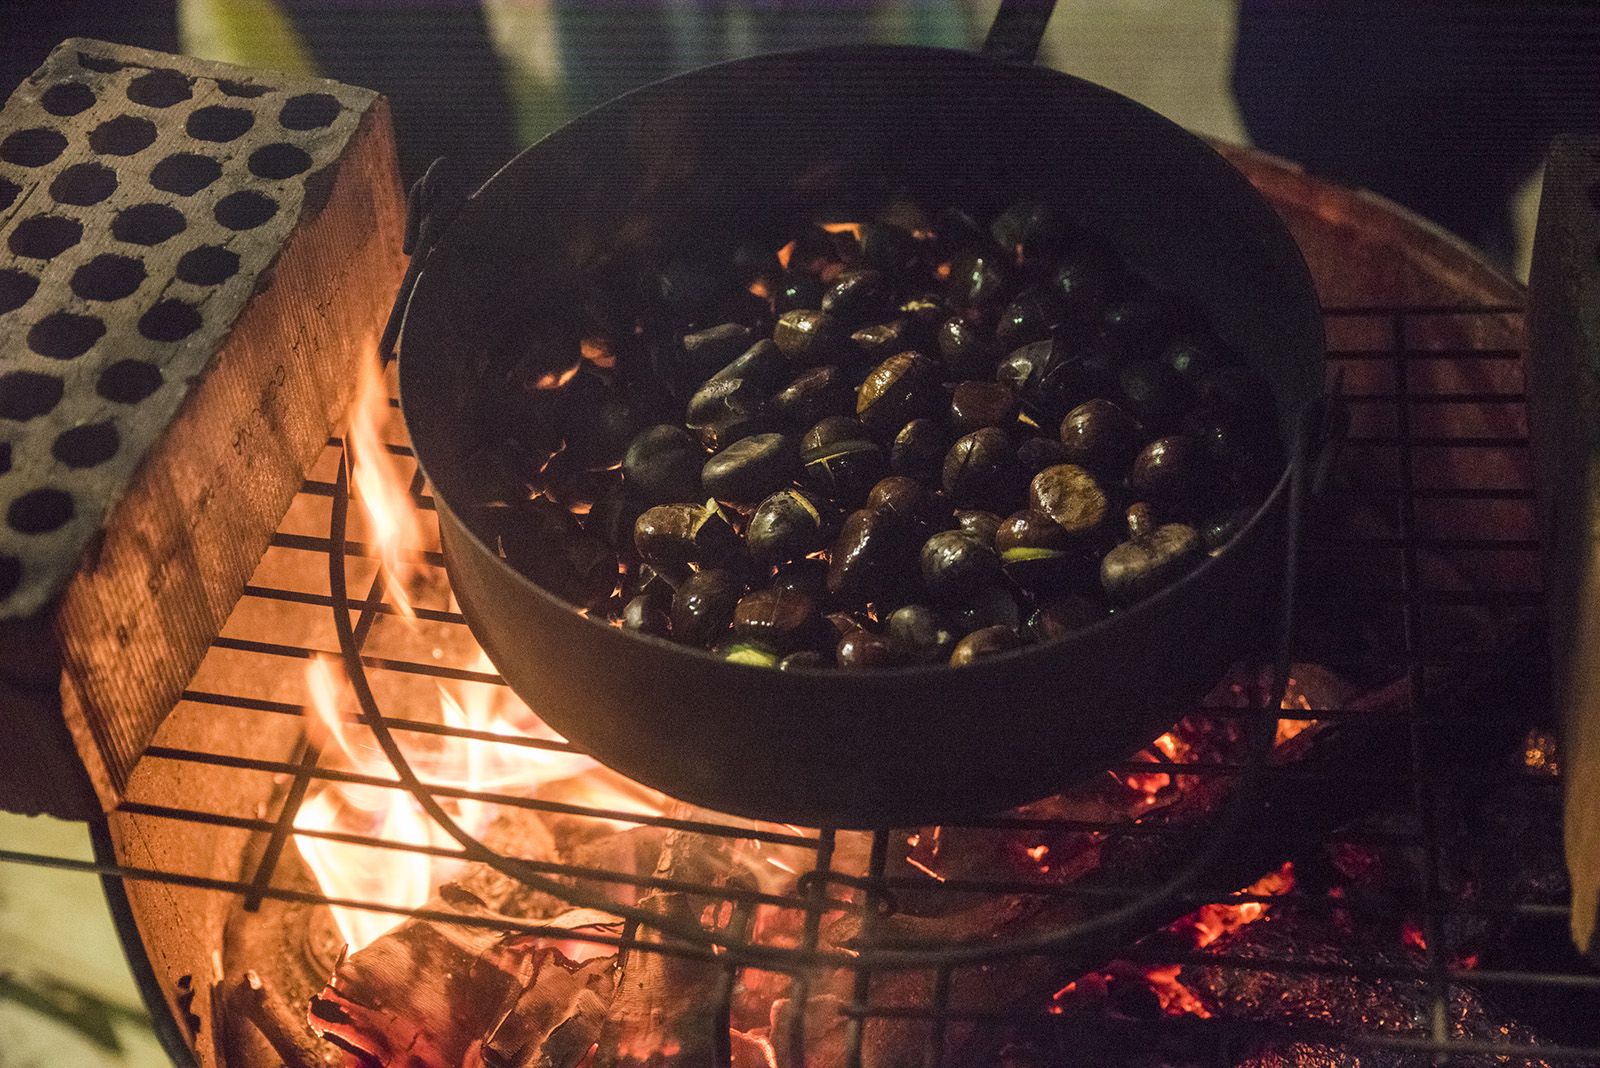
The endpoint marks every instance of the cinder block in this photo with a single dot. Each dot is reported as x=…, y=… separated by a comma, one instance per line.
x=193, y=258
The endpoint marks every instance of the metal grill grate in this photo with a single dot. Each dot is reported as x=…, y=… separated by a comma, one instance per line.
x=1430, y=410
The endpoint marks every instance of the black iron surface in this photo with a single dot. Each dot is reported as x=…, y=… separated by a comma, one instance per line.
x=741, y=150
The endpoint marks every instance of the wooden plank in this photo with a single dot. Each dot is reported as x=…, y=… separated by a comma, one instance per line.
x=1564, y=418
x=202, y=254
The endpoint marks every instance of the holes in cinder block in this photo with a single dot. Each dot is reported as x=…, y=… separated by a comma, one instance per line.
x=45, y=236
x=27, y=395
x=8, y=193
x=245, y=210
x=185, y=173
x=147, y=224
x=215, y=122
x=98, y=64
x=108, y=277
x=40, y=511
x=65, y=335
x=279, y=161
x=208, y=265
x=83, y=184
x=169, y=320
x=5, y=457
x=128, y=381
x=10, y=575
x=242, y=89
x=15, y=289
x=32, y=148
x=67, y=98
x=159, y=88
x=125, y=135
x=86, y=446
x=309, y=111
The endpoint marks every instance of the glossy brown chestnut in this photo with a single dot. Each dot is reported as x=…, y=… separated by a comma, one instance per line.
x=984, y=643
x=1140, y=566
x=1101, y=437
x=789, y=525
x=979, y=471
x=904, y=387
x=1070, y=496
x=779, y=618
x=976, y=404
x=702, y=609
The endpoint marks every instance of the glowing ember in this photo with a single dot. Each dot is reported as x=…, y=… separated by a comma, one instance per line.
x=1411, y=934
x=596, y=351
x=557, y=379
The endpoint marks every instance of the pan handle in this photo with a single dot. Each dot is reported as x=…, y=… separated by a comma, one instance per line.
x=1017, y=29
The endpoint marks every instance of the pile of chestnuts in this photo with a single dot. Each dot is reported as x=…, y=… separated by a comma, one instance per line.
x=911, y=440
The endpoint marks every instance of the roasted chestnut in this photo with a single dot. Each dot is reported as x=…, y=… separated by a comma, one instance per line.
x=858, y=297
x=1033, y=316
x=979, y=278
x=704, y=352
x=956, y=565
x=919, y=634
x=870, y=557
x=1062, y=616
x=645, y=615
x=807, y=574
x=1220, y=529
x=904, y=387
x=750, y=468
x=1070, y=496
x=966, y=348
x=906, y=498
x=808, y=337
x=814, y=394
x=1173, y=471
x=840, y=461
x=918, y=450
x=805, y=659
x=1140, y=566
x=781, y=619
x=726, y=409
x=1084, y=280
x=979, y=523
x=878, y=342
x=788, y=525
x=977, y=404
x=663, y=464
x=1100, y=437
x=1039, y=556
x=862, y=649
x=702, y=609
x=984, y=643
x=1032, y=232
x=675, y=535
x=1191, y=359
x=979, y=471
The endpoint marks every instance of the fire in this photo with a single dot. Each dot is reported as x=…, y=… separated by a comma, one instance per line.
x=596, y=351
x=380, y=485
x=491, y=743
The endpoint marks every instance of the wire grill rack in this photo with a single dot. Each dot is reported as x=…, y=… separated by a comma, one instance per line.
x=1430, y=408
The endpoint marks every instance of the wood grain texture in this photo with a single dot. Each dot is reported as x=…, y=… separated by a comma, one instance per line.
x=238, y=249
x=1564, y=398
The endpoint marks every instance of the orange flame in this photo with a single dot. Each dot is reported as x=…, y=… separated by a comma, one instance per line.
x=380, y=485
x=557, y=379
x=480, y=744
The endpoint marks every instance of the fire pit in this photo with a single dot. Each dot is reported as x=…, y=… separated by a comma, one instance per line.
x=1395, y=893
x=1377, y=883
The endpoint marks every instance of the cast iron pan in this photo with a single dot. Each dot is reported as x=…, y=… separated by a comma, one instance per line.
x=745, y=148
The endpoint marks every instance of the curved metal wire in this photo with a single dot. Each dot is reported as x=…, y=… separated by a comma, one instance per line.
x=1123, y=919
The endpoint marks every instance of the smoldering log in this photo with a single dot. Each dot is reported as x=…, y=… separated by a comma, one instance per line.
x=671, y=1010
x=432, y=994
